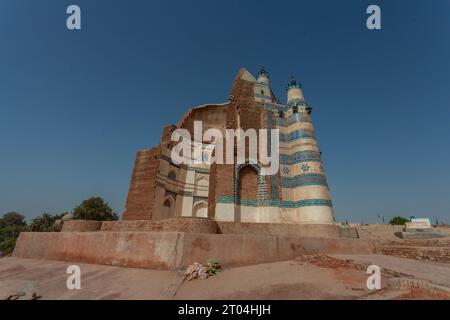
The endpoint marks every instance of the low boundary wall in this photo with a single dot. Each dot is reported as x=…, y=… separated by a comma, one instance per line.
x=178, y=224
x=204, y=225
x=175, y=250
x=285, y=229
x=81, y=225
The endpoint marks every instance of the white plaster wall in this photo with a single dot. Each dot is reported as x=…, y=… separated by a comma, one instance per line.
x=311, y=214
x=224, y=212
x=200, y=209
x=187, y=206
x=260, y=214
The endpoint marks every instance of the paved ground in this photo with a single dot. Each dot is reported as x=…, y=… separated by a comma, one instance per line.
x=304, y=278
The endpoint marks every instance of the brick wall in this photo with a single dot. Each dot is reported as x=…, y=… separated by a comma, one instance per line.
x=248, y=183
x=212, y=191
x=244, y=112
x=211, y=116
x=141, y=194
x=167, y=135
x=419, y=242
x=220, y=184
x=437, y=254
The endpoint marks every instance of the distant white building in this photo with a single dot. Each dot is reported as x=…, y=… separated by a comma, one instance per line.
x=419, y=223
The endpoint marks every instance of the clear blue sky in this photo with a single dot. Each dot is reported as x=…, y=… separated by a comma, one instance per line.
x=76, y=106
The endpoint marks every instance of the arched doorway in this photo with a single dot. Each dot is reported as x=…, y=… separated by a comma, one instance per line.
x=168, y=207
x=248, y=186
x=200, y=210
x=201, y=186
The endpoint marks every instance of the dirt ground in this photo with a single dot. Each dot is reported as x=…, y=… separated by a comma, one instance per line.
x=307, y=277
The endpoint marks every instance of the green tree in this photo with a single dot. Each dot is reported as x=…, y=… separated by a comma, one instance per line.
x=398, y=220
x=94, y=208
x=12, y=219
x=11, y=224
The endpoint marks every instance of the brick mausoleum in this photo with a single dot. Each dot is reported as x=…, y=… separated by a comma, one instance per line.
x=177, y=214
x=298, y=193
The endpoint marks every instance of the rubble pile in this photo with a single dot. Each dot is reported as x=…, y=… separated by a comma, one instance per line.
x=202, y=271
x=196, y=270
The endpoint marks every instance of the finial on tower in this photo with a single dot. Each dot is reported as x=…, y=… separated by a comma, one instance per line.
x=294, y=84
x=263, y=76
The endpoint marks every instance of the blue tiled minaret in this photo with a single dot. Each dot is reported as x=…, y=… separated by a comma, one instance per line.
x=305, y=194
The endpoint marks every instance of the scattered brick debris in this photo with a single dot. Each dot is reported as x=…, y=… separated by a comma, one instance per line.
x=23, y=296
x=16, y=296
x=325, y=261
x=423, y=294
x=35, y=296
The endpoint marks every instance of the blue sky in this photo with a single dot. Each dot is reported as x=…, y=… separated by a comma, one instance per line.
x=75, y=106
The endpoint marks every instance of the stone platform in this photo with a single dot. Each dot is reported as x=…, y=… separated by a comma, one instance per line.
x=421, y=233
x=204, y=225
x=175, y=250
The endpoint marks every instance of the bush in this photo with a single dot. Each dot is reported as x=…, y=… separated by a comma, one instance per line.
x=212, y=267
x=7, y=246
x=398, y=220
x=45, y=223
